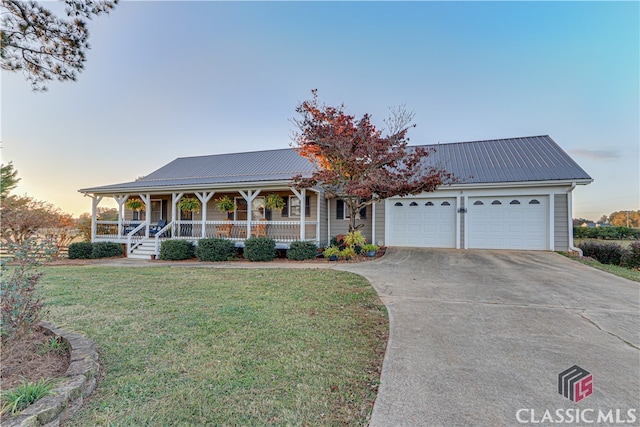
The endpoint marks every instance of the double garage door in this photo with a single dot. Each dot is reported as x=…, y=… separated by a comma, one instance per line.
x=518, y=222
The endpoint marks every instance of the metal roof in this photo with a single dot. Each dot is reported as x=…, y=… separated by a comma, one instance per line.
x=532, y=158
x=535, y=158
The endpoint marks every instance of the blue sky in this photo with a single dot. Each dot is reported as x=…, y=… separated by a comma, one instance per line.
x=175, y=79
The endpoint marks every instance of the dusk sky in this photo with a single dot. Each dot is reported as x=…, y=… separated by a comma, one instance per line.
x=175, y=79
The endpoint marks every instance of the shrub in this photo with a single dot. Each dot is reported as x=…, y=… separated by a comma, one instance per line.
x=348, y=253
x=215, y=250
x=354, y=238
x=606, y=253
x=331, y=250
x=106, y=250
x=80, y=250
x=21, y=306
x=631, y=258
x=300, y=250
x=176, y=250
x=260, y=249
x=606, y=233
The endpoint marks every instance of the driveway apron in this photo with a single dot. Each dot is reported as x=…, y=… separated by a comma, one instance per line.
x=480, y=338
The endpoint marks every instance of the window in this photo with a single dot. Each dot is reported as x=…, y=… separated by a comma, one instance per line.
x=413, y=204
x=240, y=214
x=478, y=203
x=342, y=211
x=292, y=208
x=445, y=204
x=398, y=204
x=534, y=202
x=496, y=202
x=514, y=202
x=429, y=204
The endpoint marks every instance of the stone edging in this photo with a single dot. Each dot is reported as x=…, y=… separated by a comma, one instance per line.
x=79, y=382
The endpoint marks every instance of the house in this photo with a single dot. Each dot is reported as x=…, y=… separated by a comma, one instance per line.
x=588, y=224
x=510, y=194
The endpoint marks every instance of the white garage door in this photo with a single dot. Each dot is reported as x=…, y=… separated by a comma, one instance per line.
x=507, y=222
x=424, y=222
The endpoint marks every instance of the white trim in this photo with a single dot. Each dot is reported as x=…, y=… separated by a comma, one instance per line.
x=551, y=219
x=466, y=222
x=373, y=222
x=458, y=213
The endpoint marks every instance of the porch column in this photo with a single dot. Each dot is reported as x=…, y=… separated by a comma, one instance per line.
x=204, y=198
x=120, y=199
x=95, y=200
x=146, y=198
x=249, y=196
x=175, y=197
x=302, y=195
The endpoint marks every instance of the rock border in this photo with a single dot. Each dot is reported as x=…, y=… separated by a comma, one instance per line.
x=80, y=381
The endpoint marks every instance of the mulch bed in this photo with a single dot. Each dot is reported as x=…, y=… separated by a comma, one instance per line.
x=24, y=359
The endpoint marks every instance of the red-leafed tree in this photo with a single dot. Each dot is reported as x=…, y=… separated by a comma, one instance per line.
x=355, y=162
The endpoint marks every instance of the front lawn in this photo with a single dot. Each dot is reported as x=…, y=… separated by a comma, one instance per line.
x=202, y=346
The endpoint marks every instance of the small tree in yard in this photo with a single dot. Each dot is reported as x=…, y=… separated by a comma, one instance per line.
x=356, y=162
x=21, y=307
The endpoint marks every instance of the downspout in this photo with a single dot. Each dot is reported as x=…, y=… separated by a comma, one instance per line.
x=570, y=212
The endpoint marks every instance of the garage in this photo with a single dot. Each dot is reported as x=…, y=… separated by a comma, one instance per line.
x=517, y=222
x=423, y=222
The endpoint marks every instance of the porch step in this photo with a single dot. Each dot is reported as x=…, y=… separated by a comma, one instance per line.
x=146, y=250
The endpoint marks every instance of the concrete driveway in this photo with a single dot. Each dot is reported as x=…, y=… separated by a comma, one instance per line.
x=478, y=338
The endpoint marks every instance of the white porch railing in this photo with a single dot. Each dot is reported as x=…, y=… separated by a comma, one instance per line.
x=135, y=237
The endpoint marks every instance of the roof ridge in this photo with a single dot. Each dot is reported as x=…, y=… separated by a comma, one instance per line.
x=235, y=153
x=485, y=140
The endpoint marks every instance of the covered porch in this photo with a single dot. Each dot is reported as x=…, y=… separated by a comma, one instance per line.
x=161, y=218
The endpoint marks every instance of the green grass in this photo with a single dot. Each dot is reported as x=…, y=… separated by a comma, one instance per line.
x=200, y=346
x=627, y=273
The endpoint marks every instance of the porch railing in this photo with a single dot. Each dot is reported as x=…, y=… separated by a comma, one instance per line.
x=135, y=231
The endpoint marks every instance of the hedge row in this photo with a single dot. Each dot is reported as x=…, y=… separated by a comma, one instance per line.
x=606, y=233
x=612, y=253
x=255, y=249
x=88, y=250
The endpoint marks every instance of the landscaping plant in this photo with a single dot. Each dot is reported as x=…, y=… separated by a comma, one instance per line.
x=176, y=250
x=17, y=399
x=21, y=305
x=260, y=249
x=301, y=250
x=215, y=249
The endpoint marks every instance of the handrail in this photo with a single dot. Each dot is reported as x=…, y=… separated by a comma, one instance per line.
x=130, y=236
x=160, y=233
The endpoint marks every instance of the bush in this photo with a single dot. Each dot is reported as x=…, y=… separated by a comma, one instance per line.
x=300, y=250
x=606, y=233
x=176, y=250
x=260, y=249
x=20, y=304
x=606, y=253
x=631, y=258
x=215, y=250
x=106, y=250
x=80, y=250
x=330, y=251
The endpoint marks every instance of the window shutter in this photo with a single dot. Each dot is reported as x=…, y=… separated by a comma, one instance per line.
x=339, y=209
x=267, y=214
x=307, y=206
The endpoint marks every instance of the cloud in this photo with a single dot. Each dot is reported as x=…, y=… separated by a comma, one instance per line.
x=596, y=154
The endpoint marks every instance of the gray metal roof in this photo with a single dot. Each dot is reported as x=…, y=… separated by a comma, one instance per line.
x=536, y=158
x=532, y=158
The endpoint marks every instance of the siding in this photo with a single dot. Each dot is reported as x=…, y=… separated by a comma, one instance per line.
x=341, y=226
x=324, y=226
x=380, y=218
x=560, y=223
